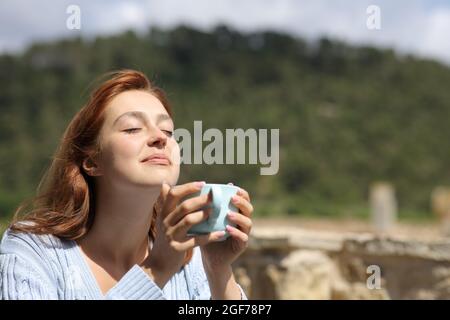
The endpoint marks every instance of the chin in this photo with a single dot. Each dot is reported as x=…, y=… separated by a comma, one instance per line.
x=158, y=177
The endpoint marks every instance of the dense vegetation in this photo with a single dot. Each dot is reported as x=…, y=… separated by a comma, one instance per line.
x=348, y=116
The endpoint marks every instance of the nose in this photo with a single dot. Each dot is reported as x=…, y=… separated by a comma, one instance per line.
x=157, y=138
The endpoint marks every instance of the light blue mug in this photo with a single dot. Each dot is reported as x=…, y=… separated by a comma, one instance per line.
x=221, y=204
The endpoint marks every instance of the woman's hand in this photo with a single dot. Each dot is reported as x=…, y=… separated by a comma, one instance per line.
x=174, y=219
x=220, y=255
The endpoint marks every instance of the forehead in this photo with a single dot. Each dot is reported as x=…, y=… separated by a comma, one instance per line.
x=133, y=100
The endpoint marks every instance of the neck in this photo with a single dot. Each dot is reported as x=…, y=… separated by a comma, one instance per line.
x=119, y=234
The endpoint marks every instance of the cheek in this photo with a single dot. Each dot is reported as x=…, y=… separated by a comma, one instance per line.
x=121, y=150
x=175, y=155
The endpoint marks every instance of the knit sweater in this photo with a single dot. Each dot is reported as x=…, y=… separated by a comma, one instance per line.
x=47, y=267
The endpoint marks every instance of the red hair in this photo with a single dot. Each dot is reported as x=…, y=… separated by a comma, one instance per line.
x=64, y=205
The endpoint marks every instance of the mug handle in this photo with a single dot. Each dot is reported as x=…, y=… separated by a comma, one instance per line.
x=216, y=196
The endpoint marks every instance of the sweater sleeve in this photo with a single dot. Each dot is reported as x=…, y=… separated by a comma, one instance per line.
x=200, y=280
x=204, y=291
x=135, y=285
x=19, y=281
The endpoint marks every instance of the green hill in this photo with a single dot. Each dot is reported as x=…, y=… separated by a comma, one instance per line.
x=348, y=116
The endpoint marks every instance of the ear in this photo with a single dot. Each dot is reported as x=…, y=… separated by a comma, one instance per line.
x=91, y=167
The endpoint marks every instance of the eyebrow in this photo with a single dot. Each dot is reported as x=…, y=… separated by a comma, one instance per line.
x=142, y=116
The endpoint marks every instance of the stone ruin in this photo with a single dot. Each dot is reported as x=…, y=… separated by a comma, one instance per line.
x=293, y=263
x=298, y=263
x=440, y=204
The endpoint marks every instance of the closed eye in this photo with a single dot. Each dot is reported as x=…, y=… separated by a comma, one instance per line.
x=168, y=133
x=132, y=130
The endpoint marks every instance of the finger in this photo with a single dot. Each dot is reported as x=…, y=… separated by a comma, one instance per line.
x=177, y=193
x=242, y=222
x=243, y=205
x=237, y=234
x=162, y=196
x=189, y=220
x=243, y=193
x=186, y=207
x=198, y=240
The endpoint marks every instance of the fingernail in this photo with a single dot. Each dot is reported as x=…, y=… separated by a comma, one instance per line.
x=230, y=183
x=235, y=199
x=241, y=192
x=231, y=214
x=200, y=184
x=228, y=227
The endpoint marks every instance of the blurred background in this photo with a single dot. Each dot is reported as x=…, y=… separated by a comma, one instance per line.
x=358, y=90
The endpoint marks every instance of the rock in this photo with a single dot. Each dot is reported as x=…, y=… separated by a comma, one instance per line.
x=244, y=280
x=440, y=204
x=303, y=274
x=383, y=206
x=293, y=263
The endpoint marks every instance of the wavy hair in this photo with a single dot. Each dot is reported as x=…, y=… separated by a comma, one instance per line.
x=64, y=204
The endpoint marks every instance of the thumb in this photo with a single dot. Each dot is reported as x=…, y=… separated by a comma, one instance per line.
x=165, y=188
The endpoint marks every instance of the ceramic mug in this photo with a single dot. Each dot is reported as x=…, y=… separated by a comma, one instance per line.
x=220, y=204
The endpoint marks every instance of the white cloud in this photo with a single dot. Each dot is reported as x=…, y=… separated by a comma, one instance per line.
x=417, y=27
x=22, y=22
x=436, y=41
x=114, y=17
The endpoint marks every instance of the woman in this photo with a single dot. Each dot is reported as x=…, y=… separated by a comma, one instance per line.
x=109, y=221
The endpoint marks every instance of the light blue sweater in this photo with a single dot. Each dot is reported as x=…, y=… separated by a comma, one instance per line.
x=46, y=267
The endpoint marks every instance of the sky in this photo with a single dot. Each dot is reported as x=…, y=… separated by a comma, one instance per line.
x=416, y=27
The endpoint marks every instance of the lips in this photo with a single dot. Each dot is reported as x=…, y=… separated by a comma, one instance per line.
x=158, y=158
